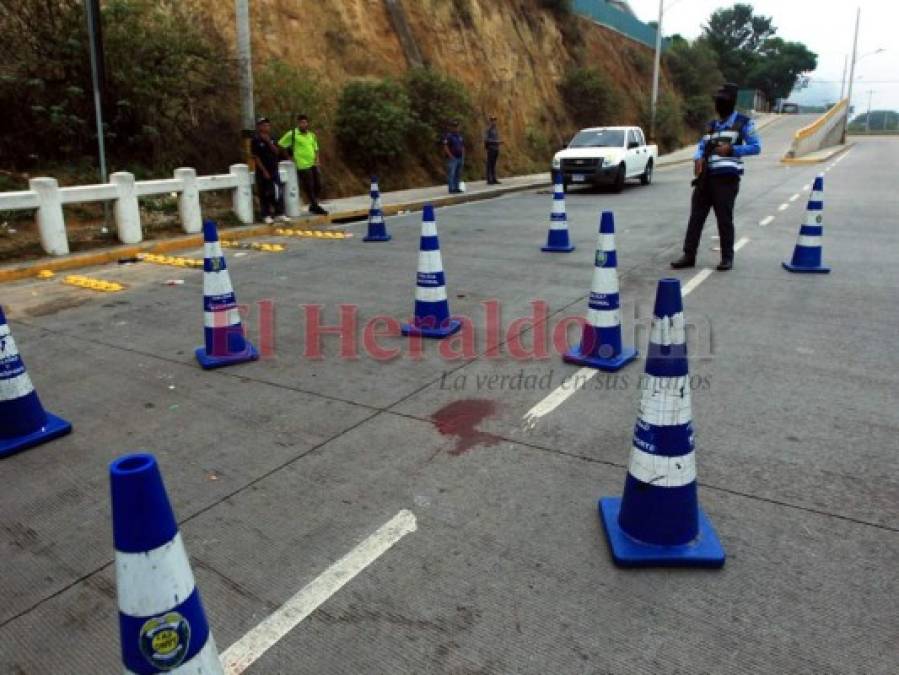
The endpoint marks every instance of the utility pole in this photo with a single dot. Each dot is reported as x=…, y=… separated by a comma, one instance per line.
x=858, y=16
x=655, y=73
x=843, y=84
x=98, y=80
x=245, y=66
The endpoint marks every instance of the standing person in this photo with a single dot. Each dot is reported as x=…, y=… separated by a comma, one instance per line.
x=491, y=145
x=268, y=181
x=454, y=149
x=303, y=145
x=717, y=166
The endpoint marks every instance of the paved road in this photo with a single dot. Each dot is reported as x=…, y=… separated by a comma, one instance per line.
x=280, y=468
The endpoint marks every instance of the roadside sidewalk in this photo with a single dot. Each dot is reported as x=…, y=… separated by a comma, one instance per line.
x=340, y=210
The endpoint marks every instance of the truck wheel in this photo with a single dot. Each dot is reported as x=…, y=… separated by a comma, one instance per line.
x=646, y=178
x=618, y=186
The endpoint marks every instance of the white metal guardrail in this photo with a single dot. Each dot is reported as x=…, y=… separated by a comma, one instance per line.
x=46, y=198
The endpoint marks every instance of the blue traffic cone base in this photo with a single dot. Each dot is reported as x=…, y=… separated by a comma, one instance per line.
x=54, y=428
x=557, y=249
x=374, y=237
x=612, y=364
x=448, y=328
x=209, y=362
x=704, y=551
x=790, y=267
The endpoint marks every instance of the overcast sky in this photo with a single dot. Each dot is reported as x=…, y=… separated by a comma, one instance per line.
x=824, y=27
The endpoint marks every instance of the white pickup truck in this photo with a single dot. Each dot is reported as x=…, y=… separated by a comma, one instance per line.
x=606, y=156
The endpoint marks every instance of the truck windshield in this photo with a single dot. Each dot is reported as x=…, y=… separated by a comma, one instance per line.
x=600, y=138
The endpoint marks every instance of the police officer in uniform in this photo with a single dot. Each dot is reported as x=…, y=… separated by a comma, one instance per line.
x=718, y=165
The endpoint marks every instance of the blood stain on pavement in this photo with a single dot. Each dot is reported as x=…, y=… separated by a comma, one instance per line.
x=461, y=418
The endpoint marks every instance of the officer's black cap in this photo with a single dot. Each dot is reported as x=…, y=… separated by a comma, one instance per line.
x=727, y=92
x=262, y=120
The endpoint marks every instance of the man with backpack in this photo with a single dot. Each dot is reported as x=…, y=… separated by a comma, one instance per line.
x=302, y=144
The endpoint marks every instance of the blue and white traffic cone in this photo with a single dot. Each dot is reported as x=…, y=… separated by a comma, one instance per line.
x=600, y=345
x=23, y=421
x=658, y=521
x=557, y=240
x=432, y=316
x=807, y=254
x=377, y=229
x=225, y=343
x=162, y=625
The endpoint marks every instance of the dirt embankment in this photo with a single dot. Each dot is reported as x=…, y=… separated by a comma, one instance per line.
x=509, y=54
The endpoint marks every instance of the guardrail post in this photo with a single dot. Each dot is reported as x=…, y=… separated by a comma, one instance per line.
x=50, y=221
x=291, y=182
x=243, y=193
x=127, y=210
x=189, y=200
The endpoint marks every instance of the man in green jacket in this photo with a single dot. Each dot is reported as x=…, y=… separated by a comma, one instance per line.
x=303, y=145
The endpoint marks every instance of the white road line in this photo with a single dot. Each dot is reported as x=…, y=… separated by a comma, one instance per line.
x=700, y=276
x=806, y=188
x=783, y=207
x=579, y=379
x=243, y=653
x=766, y=221
x=740, y=244
x=794, y=197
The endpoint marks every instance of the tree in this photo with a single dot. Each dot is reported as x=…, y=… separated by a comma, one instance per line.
x=750, y=55
x=695, y=73
x=778, y=66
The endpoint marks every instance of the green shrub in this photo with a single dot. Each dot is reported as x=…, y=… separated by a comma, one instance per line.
x=373, y=123
x=434, y=99
x=283, y=92
x=169, y=82
x=669, y=130
x=589, y=97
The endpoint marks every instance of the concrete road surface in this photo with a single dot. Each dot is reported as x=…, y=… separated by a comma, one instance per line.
x=284, y=472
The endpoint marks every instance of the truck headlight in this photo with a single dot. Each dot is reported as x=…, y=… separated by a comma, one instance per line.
x=557, y=163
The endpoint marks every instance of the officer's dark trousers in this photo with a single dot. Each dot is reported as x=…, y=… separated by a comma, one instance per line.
x=718, y=193
x=492, y=156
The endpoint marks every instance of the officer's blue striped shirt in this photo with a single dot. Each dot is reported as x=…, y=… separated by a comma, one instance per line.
x=732, y=164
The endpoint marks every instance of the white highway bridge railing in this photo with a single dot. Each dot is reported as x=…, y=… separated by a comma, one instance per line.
x=46, y=199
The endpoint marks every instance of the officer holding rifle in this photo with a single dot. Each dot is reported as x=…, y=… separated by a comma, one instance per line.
x=718, y=165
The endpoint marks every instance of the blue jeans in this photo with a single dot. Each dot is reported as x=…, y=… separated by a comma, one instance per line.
x=454, y=172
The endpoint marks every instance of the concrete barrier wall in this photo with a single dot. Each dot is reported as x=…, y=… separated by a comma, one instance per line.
x=824, y=132
x=46, y=199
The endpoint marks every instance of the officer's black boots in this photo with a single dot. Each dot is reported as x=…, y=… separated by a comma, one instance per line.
x=725, y=264
x=683, y=262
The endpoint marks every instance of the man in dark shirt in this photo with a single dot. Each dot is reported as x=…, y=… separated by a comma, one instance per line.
x=454, y=149
x=268, y=179
x=491, y=145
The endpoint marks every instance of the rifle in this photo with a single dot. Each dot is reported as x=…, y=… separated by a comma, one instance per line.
x=702, y=179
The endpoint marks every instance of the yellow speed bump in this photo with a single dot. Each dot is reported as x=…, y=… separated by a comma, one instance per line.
x=313, y=234
x=93, y=284
x=46, y=274
x=254, y=246
x=173, y=260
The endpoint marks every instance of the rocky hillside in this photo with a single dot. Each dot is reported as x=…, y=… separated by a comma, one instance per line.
x=509, y=54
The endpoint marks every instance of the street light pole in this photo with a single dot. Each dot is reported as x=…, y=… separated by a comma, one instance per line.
x=843, y=83
x=655, y=73
x=245, y=66
x=858, y=16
